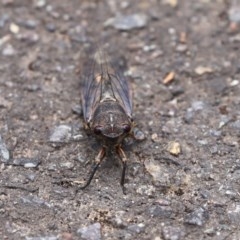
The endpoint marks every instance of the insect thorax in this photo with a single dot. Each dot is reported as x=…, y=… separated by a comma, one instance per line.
x=110, y=117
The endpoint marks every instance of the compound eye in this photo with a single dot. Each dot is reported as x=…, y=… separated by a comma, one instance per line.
x=97, y=130
x=126, y=128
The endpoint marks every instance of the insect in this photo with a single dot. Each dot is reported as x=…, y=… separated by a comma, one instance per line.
x=107, y=108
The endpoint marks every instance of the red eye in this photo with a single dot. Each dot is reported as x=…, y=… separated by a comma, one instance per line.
x=97, y=130
x=126, y=128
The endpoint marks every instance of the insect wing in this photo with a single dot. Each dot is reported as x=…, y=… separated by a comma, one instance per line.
x=90, y=91
x=99, y=73
x=122, y=91
x=112, y=74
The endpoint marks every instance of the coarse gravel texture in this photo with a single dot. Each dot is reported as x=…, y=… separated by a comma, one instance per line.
x=183, y=179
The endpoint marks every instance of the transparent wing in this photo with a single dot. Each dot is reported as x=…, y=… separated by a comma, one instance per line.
x=121, y=90
x=90, y=90
x=103, y=80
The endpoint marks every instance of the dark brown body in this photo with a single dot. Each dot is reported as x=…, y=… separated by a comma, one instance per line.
x=107, y=107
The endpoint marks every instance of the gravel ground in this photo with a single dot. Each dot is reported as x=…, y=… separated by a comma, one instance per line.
x=182, y=180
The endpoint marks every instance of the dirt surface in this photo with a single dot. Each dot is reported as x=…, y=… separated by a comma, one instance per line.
x=183, y=180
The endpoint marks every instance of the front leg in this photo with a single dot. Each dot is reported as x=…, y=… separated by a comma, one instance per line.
x=94, y=167
x=123, y=158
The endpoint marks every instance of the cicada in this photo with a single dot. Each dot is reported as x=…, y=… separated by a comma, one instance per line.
x=107, y=107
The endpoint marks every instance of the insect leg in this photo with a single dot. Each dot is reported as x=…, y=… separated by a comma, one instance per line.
x=123, y=158
x=95, y=166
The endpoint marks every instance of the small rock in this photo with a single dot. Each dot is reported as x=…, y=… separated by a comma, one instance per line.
x=4, y=153
x=172, y=3
x=61, y=133
x=128, y=22
x=30, y=24
x=169, y=78
x=233, y=213
x=43, y=238
x=197, y=105
x=39, y=3
x=154, y=137
x=5, y=103
x=31, y=177
x=148, y=190
x=34, y=200
x=172, y=233
x=174, y=148
x=67, y=165
x=149, y=48
x=3, y=19
x=234, y=83
x=158, y=173
x=32, y=87
x=181, y=48
x=29, y=37
x=51, y=27
x=176, y=90
x=117, y=219
x=25, y=162
x=217, y=85
x=4, y=39
x=200, y=70
x=137, y=228
x=236, y=124
x=138, y=134
x=52, y=167
x=160, y=211
x=14, y=28
x=8, y=50
x=234, y=12
x=77, y=109
x=198, y=217
x=90, y=232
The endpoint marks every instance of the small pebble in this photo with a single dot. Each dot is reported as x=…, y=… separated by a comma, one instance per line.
x=28, y=36
x=25, y=162
x=174, y=148
x=77, y=109
x=158, y=173
x=200, y=70
x=14, y=28
x=39, y=3
x=67, y=165
x=60, y=134
x=181, y=48
x=160, y=211
x=34, y=200
x=233, y=213
x=4, y=153
x=4, y=39
x=137, y=228
x=5, y=103
x=138, y=134
x=148, y=190
x=197, y=105
x=30, y=24
x=8, y=50
x=234, y=12
x=90, y=232
x=51, y=27
x=172, y=233
x=43, y=238
x=198, y=217
x=3, y=20
x=128, y=22
x=154, y=137
x=234, y=83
